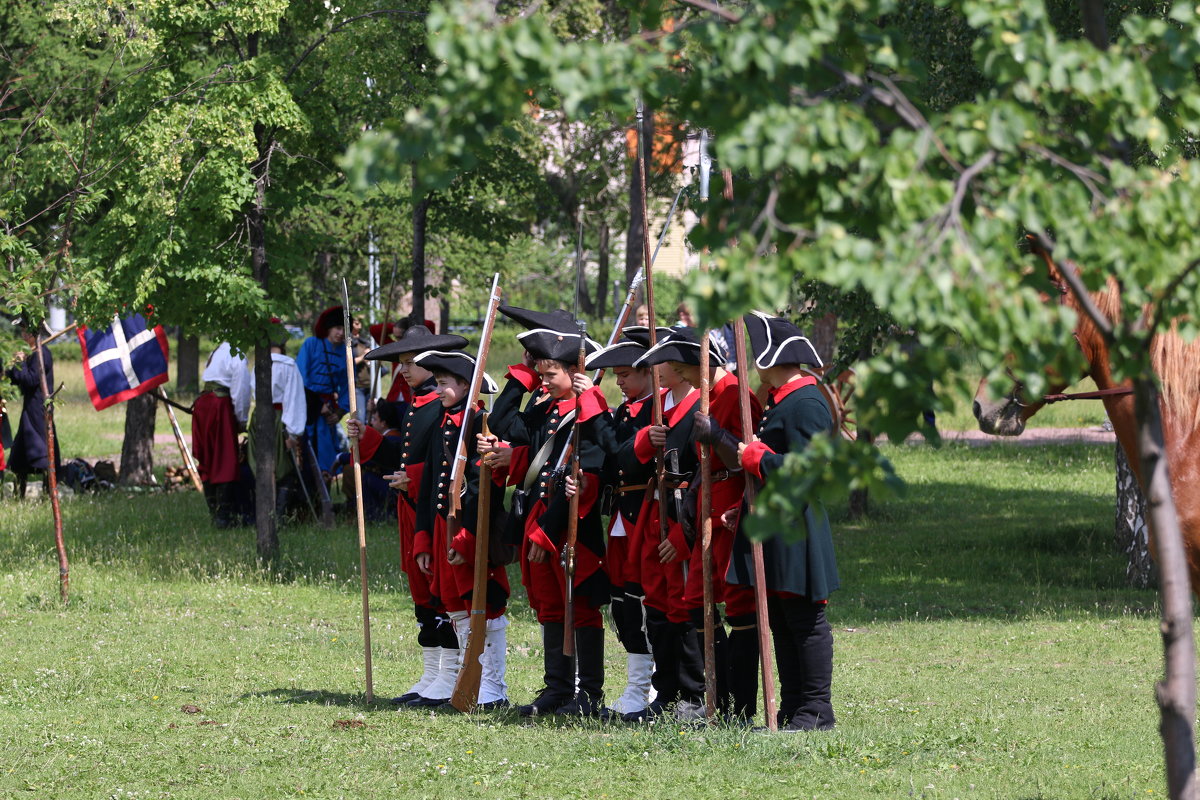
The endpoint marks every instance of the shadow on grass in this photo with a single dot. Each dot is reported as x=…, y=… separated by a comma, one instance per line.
x=322, y=697
x=981, y=532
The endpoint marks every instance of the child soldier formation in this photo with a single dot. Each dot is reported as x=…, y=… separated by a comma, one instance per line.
x=605, y=510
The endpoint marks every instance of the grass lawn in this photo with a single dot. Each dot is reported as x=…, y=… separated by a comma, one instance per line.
x=985, y=647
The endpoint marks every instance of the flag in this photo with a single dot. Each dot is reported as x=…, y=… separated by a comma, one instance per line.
x=124, y=360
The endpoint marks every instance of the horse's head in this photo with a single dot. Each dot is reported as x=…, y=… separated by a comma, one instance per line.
x=1007, y=415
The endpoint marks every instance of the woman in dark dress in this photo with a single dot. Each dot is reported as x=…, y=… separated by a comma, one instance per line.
x=29, y=449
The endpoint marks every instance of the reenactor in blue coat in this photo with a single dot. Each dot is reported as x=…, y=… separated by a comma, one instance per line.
x=800, y=573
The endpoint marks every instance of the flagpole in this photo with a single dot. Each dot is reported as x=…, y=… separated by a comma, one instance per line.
x=358, y=497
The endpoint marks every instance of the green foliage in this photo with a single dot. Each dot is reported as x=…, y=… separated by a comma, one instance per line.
x=874, y=156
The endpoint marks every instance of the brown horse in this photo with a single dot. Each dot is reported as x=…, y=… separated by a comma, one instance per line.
x=1178, y=368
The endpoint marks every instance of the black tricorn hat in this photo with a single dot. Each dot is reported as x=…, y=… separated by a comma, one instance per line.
x=332, y=317
x=557, y=345
x=557, y=320
x=621, y=353
x=458, y=364
x=641, y=334
x=417, y=339
x=778, y=341
x=682, y=345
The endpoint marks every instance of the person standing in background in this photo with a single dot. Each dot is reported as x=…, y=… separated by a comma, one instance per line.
x=30, y=451
x=322, y=365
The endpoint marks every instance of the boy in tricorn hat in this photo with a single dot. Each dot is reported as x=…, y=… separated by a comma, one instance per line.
x=404, y=457
x=626, y=482
x=452, y=559
x=536, y=441
x=800, y=574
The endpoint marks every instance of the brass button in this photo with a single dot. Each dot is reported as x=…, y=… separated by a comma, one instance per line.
x=440, y=506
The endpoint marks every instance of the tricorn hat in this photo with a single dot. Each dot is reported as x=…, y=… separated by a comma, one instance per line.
x=557, y=320
x=621, y=353
x=332, y=317
x=778, y=341
x=458, y=364
x=557, y=345
x=683, y=345
x=641, y=334
x=417, y=339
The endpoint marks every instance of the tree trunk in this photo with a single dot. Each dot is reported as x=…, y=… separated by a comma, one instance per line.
x=137, y=450
x=187, y=368
x=1131, y=533
x=1176, y=692
x=637, y=223
x=602, y=262
x=581, y=284
x=824, y=337
x=444, y=313
x=266, y=533
x=419, y=219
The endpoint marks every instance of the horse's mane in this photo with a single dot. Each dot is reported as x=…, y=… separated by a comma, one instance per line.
x=1176, y=363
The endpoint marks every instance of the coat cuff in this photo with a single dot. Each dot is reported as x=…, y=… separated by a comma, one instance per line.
x=642, y=448
x=368, y=443
x=526, y=376
x=464, y=545
x=538, y=537
x=519, y=465
x=752, y=458
x=422, y=543
x=592, y=403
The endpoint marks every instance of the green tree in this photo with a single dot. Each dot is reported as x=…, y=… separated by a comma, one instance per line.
x=858, y=178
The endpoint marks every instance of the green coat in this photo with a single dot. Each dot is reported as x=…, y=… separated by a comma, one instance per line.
x=806, y=567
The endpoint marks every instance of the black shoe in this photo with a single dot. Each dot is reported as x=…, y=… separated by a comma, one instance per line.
x=406, y=698
x=547, y=702
x=494, y=705
x=650, y=712
x=582, y=705
x=427, y=702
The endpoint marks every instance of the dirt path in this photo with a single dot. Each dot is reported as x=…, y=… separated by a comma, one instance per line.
x=1032, y=436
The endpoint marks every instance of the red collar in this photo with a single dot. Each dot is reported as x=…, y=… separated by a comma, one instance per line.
x=424, y=399
x=565, y=406
x=795, y=383
x=681, y=408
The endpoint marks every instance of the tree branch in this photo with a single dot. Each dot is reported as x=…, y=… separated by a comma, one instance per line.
x=1080, y=292
x=321, y=39
x=706, y=5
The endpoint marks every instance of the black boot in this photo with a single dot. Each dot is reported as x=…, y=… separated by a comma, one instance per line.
x=559, y=678
x=812, y=637
x=589, y=658
x=744, y=664
x=720, y=659
x=664, y=644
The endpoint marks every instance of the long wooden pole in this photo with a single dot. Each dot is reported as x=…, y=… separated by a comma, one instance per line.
x=706, y=553
x=188, y=461
x=756, y=550
x=466, y=688
x=660, y=472
x=64, y=568
x=358, y=496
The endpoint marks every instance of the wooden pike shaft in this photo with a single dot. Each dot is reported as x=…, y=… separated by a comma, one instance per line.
x=188, y=461
x=660, y=473
x=756, y=550
x=64, y=568
x=358, y=497
x=706, y=553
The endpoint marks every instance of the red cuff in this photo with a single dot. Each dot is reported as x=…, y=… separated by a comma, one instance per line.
x=464, y=545
x=592, y=403
x=368, y=443
x=414, y=472
x=675, y=536
x=752, y=457
x=519, y=465
x=526, y=376
x=538, y=537
x=591, y=492
x=422, y=543
x=642, y=448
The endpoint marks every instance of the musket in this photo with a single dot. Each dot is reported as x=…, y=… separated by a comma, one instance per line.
x=648, y=263
x=314, y=469
x=466, y=687
x=356, y=463
x=188, y=461
x=568, y=556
